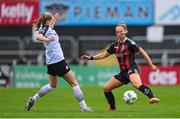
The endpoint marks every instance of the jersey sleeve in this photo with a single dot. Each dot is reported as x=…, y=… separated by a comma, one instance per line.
x=43, y=30
x=134, y=46
x=110, y=50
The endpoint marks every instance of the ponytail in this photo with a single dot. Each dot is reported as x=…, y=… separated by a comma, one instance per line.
x=39, y=23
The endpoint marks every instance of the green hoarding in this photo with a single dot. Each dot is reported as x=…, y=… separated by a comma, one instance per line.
x=36, y=76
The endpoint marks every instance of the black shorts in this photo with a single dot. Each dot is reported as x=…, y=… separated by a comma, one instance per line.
x=123, y=76
x=59, y=68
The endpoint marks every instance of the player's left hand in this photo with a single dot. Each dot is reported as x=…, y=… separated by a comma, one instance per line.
x=154, y=67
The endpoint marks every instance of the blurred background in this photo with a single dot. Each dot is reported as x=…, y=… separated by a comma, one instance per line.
x=88, y=27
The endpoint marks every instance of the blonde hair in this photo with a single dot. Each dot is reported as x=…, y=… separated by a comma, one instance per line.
x=122, y=24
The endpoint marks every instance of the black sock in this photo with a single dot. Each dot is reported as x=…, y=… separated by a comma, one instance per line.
x=147, y=91
x=110, y=98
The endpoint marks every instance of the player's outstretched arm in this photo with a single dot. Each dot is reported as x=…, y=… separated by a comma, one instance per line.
x=96, y=57
x=148, y=59
x=41, y=37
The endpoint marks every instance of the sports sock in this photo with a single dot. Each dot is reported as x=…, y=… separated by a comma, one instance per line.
x=79, y=96
x=83, y=104
x=36, y=97
x=147, y=91
x=43, y=91
x=110, y=98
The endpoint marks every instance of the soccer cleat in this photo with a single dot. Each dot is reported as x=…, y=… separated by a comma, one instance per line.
x=154, y=100
x=86, y=109
x=29, y=104
x=110, y=110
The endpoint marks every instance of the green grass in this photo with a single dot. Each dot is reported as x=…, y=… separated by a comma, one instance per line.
x=61, y=103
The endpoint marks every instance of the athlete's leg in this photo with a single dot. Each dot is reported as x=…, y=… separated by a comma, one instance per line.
x=70, y=78
x=47, y=88
x=108, y=87
x=136, y=82
x=43, y=91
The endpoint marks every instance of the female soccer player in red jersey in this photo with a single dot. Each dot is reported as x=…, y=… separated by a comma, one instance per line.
x=125, y=50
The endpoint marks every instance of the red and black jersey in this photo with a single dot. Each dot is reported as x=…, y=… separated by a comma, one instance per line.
x=125, y=52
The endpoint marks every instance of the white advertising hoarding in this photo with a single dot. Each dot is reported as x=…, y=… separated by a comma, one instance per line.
x=167, y=12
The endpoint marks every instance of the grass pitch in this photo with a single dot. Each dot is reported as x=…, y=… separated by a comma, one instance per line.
x=61, y=103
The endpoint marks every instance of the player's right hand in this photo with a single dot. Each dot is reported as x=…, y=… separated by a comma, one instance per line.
x=51, y=38
x=57, y=16
x=85, y=57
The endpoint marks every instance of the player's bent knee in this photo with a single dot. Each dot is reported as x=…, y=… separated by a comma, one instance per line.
x=74, y=82
x=53, y=85
x=106, y=89
x=136, y=86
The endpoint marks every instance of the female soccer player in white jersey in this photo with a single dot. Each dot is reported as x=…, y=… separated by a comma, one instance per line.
x=55, y=61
